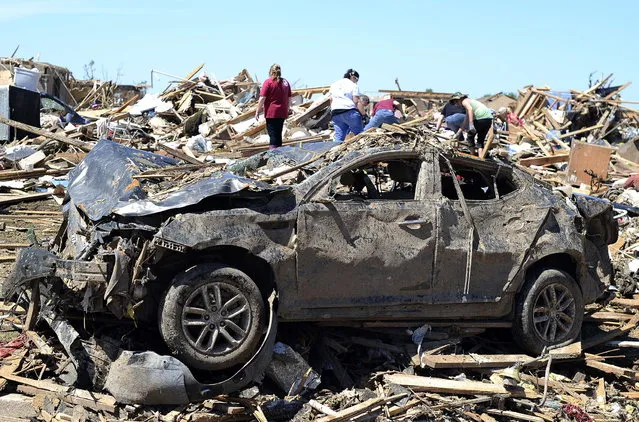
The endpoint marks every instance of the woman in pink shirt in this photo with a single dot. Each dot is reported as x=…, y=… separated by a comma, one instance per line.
x=274, y=99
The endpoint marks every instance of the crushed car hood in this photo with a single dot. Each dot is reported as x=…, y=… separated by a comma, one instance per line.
x=104, y=184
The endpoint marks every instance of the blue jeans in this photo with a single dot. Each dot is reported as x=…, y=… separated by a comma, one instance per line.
x=454, y=121
x=382, y=116
x=349, y=121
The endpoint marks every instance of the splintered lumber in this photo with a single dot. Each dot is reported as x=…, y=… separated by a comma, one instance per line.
x=570, y=351
x=634, y=395
x=14, y=245
x=628, y=303
x=442, y=385
x=360, y=408
x=577, y=132
x=543, y=161
x=593, y=362
x=7, y=258
x=612, y=334
x=418, y=94
x=298, y=120
x=26, y=174
x=24, y=198
x=40, y=384
x=95, y=401
x=515, y=415
x=608, y=316
x=321, y=408
x=473, y=361
x=42, y=345
x=179, y=154
x=32, y=129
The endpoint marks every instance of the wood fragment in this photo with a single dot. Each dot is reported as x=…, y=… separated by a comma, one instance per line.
x=610, y=335
x=321, y=408
x=360, y=408
x=473, y=361
x=32, y=129
x=515, y=415
x=442, y=385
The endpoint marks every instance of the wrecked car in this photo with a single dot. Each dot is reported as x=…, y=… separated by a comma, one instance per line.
x=391, y=233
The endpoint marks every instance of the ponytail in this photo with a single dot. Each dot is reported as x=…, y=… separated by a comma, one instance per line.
x=275, y=72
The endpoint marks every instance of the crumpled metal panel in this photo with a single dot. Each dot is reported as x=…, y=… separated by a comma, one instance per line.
x=103, y=184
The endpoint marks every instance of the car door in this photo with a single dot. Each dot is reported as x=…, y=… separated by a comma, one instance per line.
x=486, y=227
x=371, y=253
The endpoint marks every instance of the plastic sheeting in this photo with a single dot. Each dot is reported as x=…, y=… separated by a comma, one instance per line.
x=103, y=184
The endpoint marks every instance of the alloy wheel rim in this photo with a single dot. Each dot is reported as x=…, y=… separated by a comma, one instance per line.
x=554, y=312
x=216, y=318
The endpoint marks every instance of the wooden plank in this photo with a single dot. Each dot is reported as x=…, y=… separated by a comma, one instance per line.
x=634, y=395
x=608, y=316
x=321, y=105
x=24, y=198
x=315, y=90
x=14, y=245
x=180, y=155
x=95, y=401
x=628, y=303
x=489, y=142
x=24, y=174
x=617, y=91
x=442, y=385
x=360, y=408
x=32, y=129
x=593, y=362
x=418, y=94
x=41, y=384
x=42, y=345
x=612, y=334
x=577, y=132
x=570, y=351
x=515, y=415
x=544, y=161
x=473, y=361
x=587, y=157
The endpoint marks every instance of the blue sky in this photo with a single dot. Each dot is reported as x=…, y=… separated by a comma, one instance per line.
x=476, y=47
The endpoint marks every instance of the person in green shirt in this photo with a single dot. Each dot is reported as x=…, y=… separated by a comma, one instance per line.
x=479, y=119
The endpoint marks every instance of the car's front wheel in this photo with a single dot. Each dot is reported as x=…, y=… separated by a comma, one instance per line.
x=212, y=316
x=549, y=311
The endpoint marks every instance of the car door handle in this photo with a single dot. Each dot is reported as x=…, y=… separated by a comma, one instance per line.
x=412, y=222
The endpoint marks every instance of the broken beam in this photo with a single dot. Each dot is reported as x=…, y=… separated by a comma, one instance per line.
x=32, y=129
x=442, y=385
x=542, y=161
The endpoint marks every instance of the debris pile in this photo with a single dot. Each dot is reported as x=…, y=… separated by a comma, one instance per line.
x=581, y=142
x=372, y=371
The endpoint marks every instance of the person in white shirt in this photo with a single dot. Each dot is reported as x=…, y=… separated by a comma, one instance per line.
x=346, y=108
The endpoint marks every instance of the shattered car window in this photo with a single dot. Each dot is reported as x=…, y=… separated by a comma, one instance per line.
x=479, y=184
x=379, y=180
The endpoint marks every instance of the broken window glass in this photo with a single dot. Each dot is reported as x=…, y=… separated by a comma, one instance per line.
x=378, y=180
x=477, y=183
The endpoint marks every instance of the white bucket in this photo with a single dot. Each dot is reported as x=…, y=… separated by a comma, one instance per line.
x=26, y=78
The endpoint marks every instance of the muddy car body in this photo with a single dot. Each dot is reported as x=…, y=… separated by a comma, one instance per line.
x=384, y=234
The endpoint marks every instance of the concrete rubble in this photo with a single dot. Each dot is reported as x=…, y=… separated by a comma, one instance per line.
x=578, y=141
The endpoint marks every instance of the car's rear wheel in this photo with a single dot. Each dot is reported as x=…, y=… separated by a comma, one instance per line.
x=212, y=316
x=549, y=311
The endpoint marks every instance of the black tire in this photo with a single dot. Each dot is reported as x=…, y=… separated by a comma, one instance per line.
x=535, y=321
x=201, y=333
